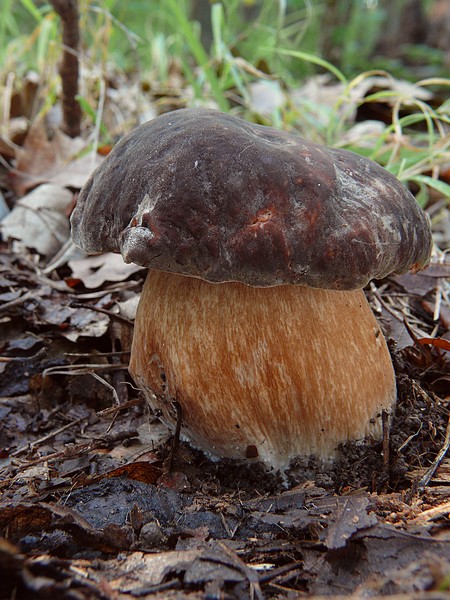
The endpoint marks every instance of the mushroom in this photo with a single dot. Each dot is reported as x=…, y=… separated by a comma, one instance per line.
x=252, y=315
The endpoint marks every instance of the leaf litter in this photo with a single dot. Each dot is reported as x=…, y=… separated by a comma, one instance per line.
x=88, y=506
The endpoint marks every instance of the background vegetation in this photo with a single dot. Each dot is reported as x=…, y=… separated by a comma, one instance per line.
x=319, y=67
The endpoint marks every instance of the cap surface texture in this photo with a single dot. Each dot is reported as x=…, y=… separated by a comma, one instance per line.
x=202, y=193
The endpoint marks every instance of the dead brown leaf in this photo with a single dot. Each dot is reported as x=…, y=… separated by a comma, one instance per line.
x=53, y=160
x=350, y=516
x=436, y=342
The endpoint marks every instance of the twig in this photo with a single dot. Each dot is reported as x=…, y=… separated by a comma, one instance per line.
x=278, y=572
x=386, y=306
x=230, y=532
x=69, y=68
x=109, y=289
x=23, y=298
x=35, y=275
x=78, y=450
x=425, y=479
x=97, y=354
x=433, y=513
x=81, y=369
x=109, y=386
x=24, y=359
x=410, y=438
x=113, y=410
x=385, y=442
x=118, y=377
x=104, y=311
x=47, y=437
x=239, y=564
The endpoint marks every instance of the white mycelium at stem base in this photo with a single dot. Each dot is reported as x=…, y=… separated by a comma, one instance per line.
x=281, y=371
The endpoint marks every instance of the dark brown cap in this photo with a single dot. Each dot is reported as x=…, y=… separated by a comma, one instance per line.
x=205, y=194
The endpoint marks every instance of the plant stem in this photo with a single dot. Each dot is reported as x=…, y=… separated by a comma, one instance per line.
x=69, y=14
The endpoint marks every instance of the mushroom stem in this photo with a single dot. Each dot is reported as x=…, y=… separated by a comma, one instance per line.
x=272, y=372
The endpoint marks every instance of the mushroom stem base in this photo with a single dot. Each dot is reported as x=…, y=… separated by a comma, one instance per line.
x=272, y=373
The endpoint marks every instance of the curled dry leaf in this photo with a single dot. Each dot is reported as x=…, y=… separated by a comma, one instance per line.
x=93, y=271
x=57, y=160
x=424, y=282
x=86, y=323
x=366, y=134
x=39, y=219
x=72, y=322
x=128, y=308
x=319, y=94
x=441, y=343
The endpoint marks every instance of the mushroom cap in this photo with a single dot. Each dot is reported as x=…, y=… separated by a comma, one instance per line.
x=205, y=194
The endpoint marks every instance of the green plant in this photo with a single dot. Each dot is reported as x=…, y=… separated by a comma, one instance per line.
x=249, y=42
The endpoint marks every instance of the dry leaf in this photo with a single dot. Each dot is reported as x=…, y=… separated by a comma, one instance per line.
x=93, y=271
x=441, y=343
x=39, y=220
x=319, y=94
x=56, y=160
x=128, y=308
x=351, y=515
x=139, y=470
x=266, y=97
x=7, y=148
x=4, y=209
x=366, y=134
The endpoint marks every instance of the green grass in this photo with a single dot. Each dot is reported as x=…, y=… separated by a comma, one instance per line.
x=159, y=45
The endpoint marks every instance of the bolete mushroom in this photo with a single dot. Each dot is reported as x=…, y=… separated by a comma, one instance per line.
x=259, y=244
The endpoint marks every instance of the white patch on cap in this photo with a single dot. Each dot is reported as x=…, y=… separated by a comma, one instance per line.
x=146, y=206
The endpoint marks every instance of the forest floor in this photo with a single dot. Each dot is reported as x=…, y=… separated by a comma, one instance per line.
x=88, y=505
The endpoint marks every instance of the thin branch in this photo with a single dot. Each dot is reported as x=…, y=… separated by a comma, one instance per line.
x=69, y=67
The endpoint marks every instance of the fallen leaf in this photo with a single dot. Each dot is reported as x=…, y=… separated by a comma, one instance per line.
x=46, y=307
x=266, y=97
x=128, y=308
x=139, y=570
x=57, y=160
x=139, y=471
x=7, y=148
x=38, y=220
x=373, y=551
x=211, y=567
x=365, y=134
x=77, y=171
x=326, y=98
x=110, y=500
x=93, y=271
x=25, y=342
x=350, y=516
x=394, y=329
x=426, y=573
x=28, y=523
x=4, y=208
x=15, y=134
x=425, y=281
x=436, y=342
x=175, y=480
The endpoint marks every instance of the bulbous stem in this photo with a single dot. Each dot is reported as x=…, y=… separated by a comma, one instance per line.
x=269, y=372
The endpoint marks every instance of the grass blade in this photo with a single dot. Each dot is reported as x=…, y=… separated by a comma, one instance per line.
x=199, y=53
